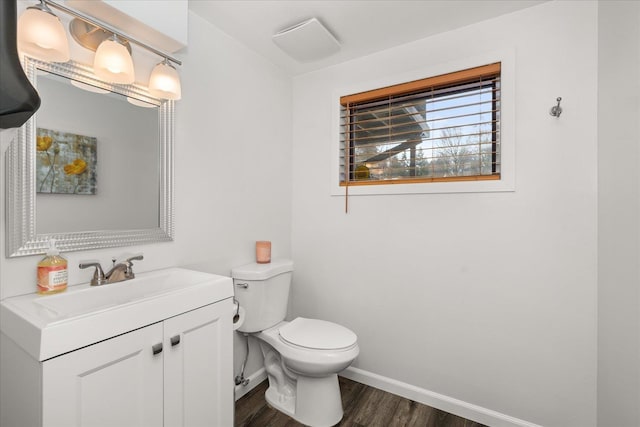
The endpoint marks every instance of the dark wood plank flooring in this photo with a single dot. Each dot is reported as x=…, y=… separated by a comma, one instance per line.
x=364, y=406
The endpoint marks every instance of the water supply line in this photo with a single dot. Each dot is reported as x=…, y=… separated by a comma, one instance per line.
x=240, y=379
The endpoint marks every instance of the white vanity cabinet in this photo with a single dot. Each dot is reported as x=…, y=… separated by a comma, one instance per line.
x=173, y=373
x=177, y=371
x=198, y=370
x=117, y=382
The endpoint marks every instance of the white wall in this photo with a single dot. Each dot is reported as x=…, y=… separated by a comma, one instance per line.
x=489, y=298
x=232, y=167
x=618, y=213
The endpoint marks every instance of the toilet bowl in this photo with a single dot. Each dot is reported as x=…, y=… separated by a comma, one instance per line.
x=302, y=357
x=312, y=347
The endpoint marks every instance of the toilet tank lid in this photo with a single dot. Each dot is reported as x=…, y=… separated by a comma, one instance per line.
x=255, y=271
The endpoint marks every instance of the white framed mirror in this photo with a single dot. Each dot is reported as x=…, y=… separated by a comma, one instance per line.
x=93, y=168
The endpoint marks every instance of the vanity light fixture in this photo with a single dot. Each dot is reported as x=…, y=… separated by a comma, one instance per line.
x=138, y=103
x=88, y=88
x=113, y=63
x=165, y=82
x=41, y=34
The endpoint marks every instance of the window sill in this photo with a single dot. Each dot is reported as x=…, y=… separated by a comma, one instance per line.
x=488, y=184
x=413, y=181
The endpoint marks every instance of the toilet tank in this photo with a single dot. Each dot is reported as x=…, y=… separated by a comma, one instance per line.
x=263, y=291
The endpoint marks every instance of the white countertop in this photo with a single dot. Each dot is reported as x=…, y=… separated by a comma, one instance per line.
x=46, y=326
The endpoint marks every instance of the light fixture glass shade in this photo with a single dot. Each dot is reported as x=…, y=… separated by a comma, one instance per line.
x=113, y=63
x=88, y=88
x=164, y=82
x=138, y=103
x=42, y=36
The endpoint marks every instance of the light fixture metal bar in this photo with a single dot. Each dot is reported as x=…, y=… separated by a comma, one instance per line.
x=109, y=28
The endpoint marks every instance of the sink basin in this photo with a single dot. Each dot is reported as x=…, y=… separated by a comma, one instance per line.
x=48, y=325
x=93, y=298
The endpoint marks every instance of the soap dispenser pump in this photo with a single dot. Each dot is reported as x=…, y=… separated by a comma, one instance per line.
x=52, y=271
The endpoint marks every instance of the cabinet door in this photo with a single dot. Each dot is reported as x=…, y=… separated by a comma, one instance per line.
x=117, y=382
x=198, y=368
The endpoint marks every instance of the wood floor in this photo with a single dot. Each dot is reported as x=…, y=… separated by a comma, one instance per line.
x=364, y=406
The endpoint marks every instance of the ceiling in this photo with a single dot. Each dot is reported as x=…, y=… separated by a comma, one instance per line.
x=362, y=27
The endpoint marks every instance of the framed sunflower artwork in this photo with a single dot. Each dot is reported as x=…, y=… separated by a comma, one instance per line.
x=65, y=162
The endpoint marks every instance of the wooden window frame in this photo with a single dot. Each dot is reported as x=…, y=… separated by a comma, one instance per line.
x=431, y=83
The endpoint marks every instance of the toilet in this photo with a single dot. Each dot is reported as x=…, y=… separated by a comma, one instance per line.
x=303, y=356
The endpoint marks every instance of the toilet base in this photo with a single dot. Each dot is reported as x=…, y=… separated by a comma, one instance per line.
x=316, y=403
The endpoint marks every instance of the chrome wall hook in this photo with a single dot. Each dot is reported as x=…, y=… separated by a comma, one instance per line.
x=556, y=110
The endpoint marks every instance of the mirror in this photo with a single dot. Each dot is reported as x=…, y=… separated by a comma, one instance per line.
x=92, y=168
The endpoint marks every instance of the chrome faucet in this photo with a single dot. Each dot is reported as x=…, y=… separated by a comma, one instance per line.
x=118, y=273
x=122, y=271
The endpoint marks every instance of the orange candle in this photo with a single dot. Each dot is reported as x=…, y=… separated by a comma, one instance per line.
x=263, y=252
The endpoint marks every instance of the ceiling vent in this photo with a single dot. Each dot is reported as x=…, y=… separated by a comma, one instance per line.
x=307, y=41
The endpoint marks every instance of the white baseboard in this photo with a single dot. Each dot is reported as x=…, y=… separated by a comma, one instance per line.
x=435, y=400
x=254, y=379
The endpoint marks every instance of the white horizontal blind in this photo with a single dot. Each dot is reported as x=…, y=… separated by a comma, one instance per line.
x=443, y=128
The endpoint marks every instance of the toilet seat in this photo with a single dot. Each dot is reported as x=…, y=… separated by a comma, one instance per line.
x=317, y=334
x=310, y=361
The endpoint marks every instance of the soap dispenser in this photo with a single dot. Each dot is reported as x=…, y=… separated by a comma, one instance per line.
x=52, y=271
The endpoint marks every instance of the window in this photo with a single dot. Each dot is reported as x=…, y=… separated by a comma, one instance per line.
x=443, y=128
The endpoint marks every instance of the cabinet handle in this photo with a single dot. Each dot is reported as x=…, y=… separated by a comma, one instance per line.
x=157, y=348
x=175, y=340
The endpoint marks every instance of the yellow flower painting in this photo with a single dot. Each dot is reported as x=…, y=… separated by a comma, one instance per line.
x=76, y=167
x=65, y=162
x=43, y=143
